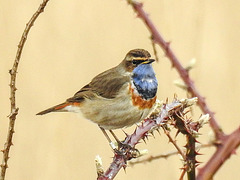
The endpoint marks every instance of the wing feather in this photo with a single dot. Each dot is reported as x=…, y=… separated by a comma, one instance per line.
x=106, y=84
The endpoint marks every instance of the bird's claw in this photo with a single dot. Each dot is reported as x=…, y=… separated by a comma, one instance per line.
x=126, y=150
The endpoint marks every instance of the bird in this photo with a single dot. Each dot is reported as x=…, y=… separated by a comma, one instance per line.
x=116, y=98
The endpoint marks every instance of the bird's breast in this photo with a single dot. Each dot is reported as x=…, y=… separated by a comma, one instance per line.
x=139, y=101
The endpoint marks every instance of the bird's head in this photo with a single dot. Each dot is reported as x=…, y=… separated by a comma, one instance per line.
x=135, y=58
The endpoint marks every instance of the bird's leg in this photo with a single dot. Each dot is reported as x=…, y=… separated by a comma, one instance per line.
x=115, y=137
x=121, y=145
x=113, y=146
x=124, y=148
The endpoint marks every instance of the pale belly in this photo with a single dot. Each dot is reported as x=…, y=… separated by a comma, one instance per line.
x=113, y=113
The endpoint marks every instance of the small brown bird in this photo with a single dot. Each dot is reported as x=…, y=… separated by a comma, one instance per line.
x=118, y=97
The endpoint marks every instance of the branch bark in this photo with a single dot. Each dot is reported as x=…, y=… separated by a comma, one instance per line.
x=167, y=112
x=157, y=37
x=227, y=143
x=224, y=150
x=13, y=73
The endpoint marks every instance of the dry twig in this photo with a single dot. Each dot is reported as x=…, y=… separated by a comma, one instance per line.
x=174, y=143
x=165, y=155
x=13, y=72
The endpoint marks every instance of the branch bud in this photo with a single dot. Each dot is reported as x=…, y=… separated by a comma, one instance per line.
x=99, y=166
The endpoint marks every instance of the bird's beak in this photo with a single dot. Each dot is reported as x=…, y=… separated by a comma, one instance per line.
x=148, y=61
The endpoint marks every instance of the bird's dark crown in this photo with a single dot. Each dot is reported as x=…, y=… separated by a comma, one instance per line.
x=137, y=54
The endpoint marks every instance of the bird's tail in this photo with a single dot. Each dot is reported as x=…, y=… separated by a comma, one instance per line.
x=57, y=108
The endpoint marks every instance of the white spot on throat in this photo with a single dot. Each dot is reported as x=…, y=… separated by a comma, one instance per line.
x=71, y=108
x=149, y=80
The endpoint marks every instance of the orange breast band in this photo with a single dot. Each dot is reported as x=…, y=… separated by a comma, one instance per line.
x=140, y=102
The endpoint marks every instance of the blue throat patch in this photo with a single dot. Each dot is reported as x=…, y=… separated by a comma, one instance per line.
x=145, y=81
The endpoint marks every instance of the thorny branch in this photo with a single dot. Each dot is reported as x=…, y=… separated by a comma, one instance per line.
x=13, y=72
x=191, y=160
x=227, y=144
x=158, y=39
x=223, y=152
x=163, y=114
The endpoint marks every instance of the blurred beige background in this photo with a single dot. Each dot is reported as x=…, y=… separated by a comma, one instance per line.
x=72, y=41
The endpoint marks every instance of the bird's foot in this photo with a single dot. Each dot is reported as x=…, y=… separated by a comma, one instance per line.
x=127, y=151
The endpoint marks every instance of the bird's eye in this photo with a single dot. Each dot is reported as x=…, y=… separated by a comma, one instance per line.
x=137, y=62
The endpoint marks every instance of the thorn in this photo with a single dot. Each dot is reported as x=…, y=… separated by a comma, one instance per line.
x=6, y=166
x=158, y=132
x=126, y=134
x=198, y=154
x=183, y=168
x=184, y=113
x=144, y=140
x=152, y=134
x=234, y=151
x=196, y=141
x=178, y=131
x=138, y=142
x=124, y=167
x=168, y=44
x=167, y=101
x=140, y=4
x=197, y=163
x=146, y=136
x=138, y=16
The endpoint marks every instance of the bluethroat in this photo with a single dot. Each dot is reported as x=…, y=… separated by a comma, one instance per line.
x=118, y=97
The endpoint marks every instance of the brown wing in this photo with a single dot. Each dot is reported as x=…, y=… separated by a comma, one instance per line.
x=106, y=84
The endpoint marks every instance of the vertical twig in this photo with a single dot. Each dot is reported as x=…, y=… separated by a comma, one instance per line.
x=158, y=39
x=154, y=49
x=174, y=143
x=13, y=72
x=182, y=174
x=190, y=157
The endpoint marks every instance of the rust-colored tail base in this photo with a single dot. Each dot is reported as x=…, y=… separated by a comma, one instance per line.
x=56, y=108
